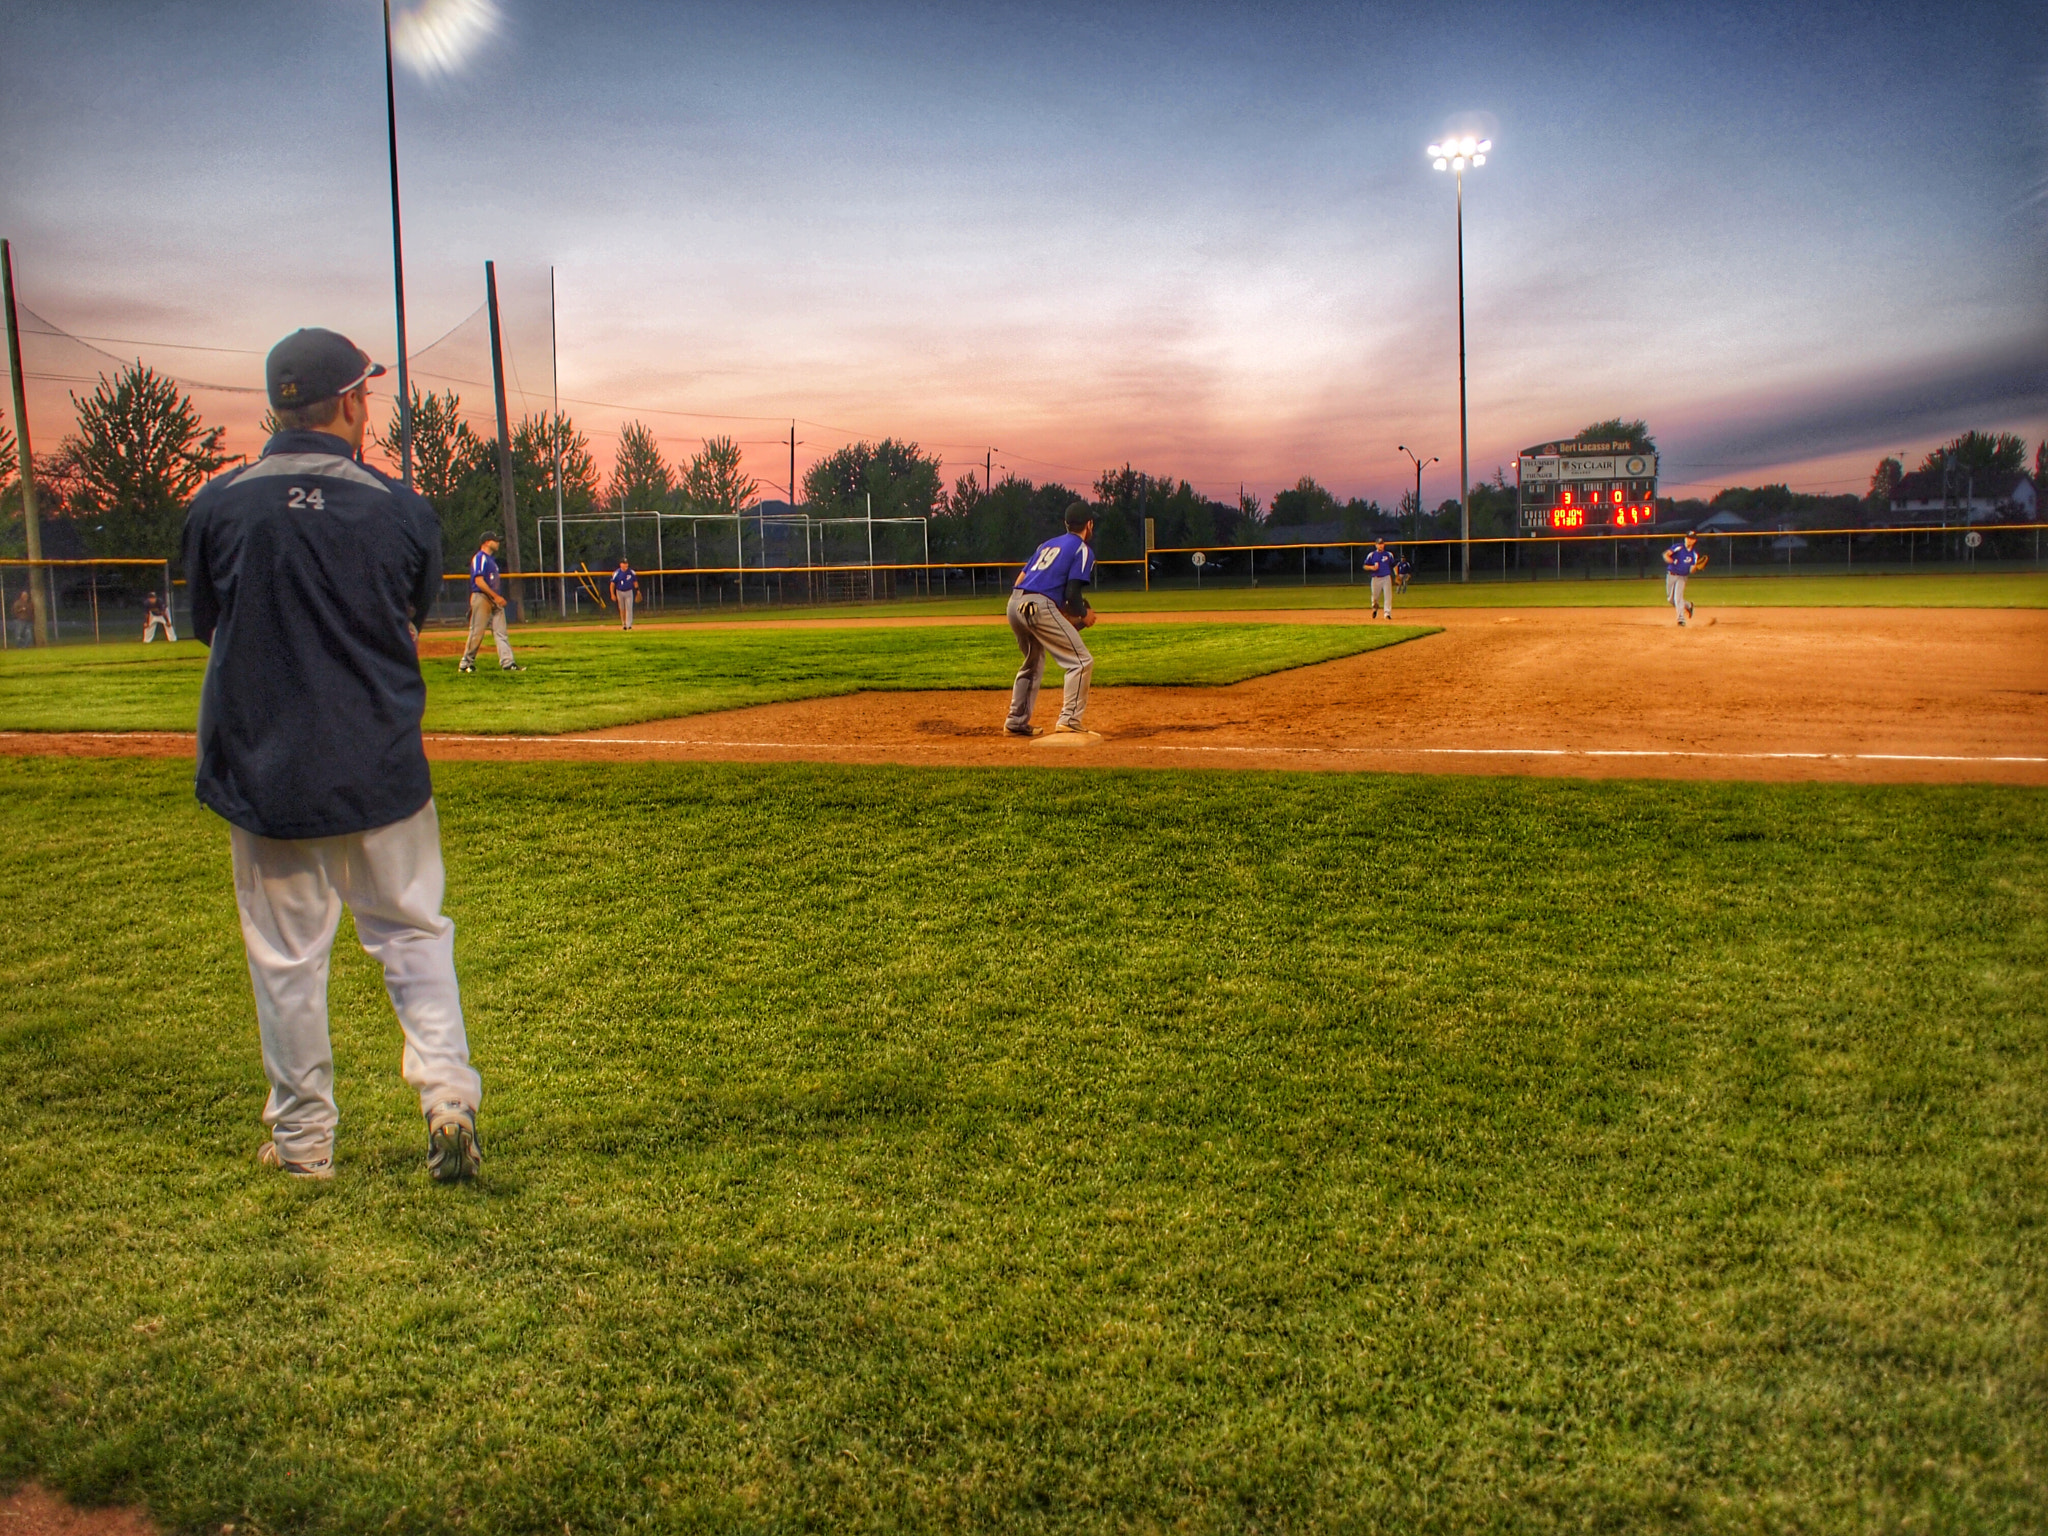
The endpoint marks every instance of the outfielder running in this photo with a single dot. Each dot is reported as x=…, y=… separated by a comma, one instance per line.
x=1048, y=611
x=1680, y=562
x=308, y=573
x=1381, y=564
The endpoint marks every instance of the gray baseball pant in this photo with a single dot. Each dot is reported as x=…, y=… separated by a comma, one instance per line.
x=1383, y=594
x=1677, y=585
x=290, y=893
x=1040, y=627
x=485, y=614
x=625, y=608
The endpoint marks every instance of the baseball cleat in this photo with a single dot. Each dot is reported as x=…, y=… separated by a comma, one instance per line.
x=1026, y=731
x=1688, y=610
x=1681, y=623
x=467, y=666
x=1064, y=729
x=453, y=1151
x=512, y=667
x=319, y=1168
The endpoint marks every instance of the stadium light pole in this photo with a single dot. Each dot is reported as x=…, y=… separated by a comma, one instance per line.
x=1456, y=156
x=1420, y=465
x=397, y=260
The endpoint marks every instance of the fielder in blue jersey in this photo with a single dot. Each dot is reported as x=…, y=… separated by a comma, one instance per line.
x=625, y=588
x=1680, y=562
x=487, y=608
x=1381, y=564
x=1048, y=611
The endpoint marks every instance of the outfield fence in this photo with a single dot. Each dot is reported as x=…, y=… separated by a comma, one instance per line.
x=101, y=600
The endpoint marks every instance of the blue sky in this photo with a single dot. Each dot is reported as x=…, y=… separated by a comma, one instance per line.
x=1203, y=239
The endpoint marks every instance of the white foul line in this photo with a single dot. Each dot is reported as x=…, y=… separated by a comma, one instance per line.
x=1138, y=746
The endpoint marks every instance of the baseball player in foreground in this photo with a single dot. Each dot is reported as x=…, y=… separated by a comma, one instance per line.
x=487, y=608
x=625, y=587
x=156, y=614
x=308, y=573
x=1381, y=565
x=1680, y=562
x=1048, y=611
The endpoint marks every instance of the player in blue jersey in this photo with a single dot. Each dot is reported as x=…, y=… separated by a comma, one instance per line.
x=1403, y=571
x=1381, y=564
x=625, y=587
x=1681, y=561
x=487, y=607
x=1048, y=611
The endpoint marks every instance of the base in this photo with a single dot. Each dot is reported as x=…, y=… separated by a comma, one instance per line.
x=1066, y=739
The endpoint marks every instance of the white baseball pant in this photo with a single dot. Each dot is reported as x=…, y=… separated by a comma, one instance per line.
x=151, y=622
x=291, y=892
x=1040, y=627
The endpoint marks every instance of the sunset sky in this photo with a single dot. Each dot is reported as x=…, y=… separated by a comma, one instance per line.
x=1203, y=239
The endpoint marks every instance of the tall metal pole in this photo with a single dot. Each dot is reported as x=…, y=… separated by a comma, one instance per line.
x=506, y=490
x=1464, y=455
x=397, y=261
x=29, y=524
x=555, y=432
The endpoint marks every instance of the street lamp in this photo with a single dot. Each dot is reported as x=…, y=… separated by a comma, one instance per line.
x=1420, y=465
x=1455, y=155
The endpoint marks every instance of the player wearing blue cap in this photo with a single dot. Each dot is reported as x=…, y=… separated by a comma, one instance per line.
x=1680, y=562
x=1048, y=611
x=1381, y=564
x=309, y=575
x=625, y=587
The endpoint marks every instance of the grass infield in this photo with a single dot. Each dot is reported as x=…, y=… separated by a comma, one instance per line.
x=583, y=680
x=882, y=1149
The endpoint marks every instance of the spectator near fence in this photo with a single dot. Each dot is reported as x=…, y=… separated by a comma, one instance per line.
x=23, y=617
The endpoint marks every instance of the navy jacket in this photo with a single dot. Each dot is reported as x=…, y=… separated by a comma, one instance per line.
x=304, y=569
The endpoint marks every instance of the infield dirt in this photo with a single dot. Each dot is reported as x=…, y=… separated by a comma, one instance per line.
x=1778, y=694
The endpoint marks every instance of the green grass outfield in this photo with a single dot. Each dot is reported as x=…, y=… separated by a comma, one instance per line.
x=1876, y=590
x=886, y=1150
x=579, y=680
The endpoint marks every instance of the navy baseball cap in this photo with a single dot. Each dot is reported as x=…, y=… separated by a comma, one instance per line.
x=312, y=365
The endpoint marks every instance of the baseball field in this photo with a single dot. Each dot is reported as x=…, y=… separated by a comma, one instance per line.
x=1622, y=1106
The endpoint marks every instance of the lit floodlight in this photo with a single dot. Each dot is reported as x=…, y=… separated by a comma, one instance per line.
x=435, y=38
x=1441, y=163
x=1479, y=159
x=1435, y=151
x=1485, y=145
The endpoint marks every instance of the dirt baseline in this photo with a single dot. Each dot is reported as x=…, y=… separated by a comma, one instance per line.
x=1780, y=694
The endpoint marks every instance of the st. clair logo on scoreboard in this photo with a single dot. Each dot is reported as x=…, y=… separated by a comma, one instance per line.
x=1575, y=485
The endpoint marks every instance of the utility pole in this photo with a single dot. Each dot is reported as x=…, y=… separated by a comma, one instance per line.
x=29, y=524
x=555, y=434
x=506, y=489
x=398, y=261
x=988, y=472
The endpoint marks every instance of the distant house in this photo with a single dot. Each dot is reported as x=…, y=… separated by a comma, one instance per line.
x=1724, y=522
x=1982, y=498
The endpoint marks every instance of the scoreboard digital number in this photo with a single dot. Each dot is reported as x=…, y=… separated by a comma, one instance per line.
x=1571, y=487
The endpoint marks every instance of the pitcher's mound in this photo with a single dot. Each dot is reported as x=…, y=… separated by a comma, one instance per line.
x=1066, y=739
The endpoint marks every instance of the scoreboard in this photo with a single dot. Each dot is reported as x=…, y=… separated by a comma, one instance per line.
x=1576, y=486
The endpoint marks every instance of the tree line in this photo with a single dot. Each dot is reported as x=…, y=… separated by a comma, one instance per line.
x=123, y=477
